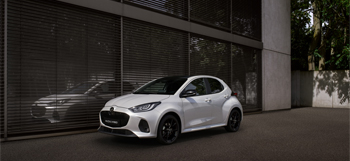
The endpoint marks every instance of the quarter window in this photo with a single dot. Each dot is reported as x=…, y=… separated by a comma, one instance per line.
x=198, y=85
x=215, y=85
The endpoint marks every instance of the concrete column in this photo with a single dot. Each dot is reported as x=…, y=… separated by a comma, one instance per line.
x=276, y=67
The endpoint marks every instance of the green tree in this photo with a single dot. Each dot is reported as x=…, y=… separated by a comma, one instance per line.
x=327, y=39
x=300, y=33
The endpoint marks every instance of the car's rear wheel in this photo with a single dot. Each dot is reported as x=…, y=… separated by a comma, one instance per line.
x=234, y=121
x=168, y=130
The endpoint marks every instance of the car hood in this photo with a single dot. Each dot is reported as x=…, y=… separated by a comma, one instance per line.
x=54, y=97
x=131, y=100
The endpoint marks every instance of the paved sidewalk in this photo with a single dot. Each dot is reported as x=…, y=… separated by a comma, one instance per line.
x=297, y=134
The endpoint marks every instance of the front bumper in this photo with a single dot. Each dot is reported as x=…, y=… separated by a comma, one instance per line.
x=134, y=126
x=51, y=113
x=118, y=132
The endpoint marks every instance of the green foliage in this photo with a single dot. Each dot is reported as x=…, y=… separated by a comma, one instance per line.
x=317, y=54
x=334, y=17
x=335, y=14
x=300, y=34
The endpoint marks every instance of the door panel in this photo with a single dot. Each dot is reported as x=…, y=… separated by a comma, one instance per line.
x=217, y=101
x=197, y=111
x=197, y=108
x=218, y=96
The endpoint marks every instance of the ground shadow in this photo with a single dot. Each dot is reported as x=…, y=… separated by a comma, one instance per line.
x=132, y=143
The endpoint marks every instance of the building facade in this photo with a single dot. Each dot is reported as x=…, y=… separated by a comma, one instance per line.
x=61, y=60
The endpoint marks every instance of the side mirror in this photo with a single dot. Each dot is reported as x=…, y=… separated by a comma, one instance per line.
x=188, y=93
x=95, y=93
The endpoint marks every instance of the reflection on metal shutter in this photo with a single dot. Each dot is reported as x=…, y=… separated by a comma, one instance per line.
x=211, y=12
x=246, y=76
x=177, y=8
x=210, y=57
x=63, y=65
x=246, y=18
x=151, y=51
x=2, y=54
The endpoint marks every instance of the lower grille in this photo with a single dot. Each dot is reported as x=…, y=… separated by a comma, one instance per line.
x=38, y=111
x=114, y=119
x=120, y=132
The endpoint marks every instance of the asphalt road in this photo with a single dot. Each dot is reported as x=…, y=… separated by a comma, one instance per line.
x=297, y=134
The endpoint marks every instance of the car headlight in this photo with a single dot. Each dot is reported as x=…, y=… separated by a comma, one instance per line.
x=59, y=102
x=144, y=107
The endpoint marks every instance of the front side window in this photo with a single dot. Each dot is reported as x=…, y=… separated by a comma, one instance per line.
x=167, y=85
x=80, y=88
x=106, y=88
x=198, y=85
x=215, y=85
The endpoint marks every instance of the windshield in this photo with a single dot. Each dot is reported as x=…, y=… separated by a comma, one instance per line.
x=167, y=85
x=80, y=88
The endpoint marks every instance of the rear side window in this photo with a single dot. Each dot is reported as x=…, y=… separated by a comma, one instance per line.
x=215, y=86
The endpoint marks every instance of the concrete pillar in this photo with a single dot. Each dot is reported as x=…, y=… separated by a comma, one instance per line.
x=276, y=67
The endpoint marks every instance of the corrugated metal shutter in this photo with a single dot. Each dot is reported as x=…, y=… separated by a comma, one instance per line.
x=246, y=76
x=2, y=67
x=57, y=54
x=246, y=18
x=211, y=12
x=177, y=8
x=210, y=57
x=151, y=51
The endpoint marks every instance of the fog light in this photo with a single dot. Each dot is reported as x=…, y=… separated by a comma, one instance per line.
x=143, y=126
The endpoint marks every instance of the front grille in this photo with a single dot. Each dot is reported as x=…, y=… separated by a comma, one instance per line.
x=122, y=132
x=38, y=111
x=114, y=119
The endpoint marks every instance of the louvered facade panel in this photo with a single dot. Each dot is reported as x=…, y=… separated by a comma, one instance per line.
x=150, y=52
x=177, y=8
x=64, y=61
x=215, y=13
x=63, y=65
x=2, y=67
x=246, y=76
x=210, y=57
x=246, y=18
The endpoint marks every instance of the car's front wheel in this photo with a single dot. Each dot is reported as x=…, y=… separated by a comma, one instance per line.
x=168, y=130
x=234, y=121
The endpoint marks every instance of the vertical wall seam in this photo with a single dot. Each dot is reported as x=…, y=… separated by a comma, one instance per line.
x=263, y=57
x=189, y=37
x=121, y=51
x=5, y=69
x=231, y=66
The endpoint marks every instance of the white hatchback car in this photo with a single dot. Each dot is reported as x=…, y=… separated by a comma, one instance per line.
x=166, y=107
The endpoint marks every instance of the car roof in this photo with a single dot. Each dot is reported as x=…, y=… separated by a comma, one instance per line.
x=190, y=76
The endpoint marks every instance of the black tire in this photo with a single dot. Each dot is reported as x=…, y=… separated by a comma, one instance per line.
x=168, y=130
x=233, y=121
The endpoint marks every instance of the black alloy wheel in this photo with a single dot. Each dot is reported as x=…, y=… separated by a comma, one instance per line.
x=234, y=121
x=168, y=130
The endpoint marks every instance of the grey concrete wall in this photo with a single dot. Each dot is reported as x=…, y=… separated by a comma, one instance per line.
x=321, y=88
x=276, y=67
x=276, y=25
x=296, y=88
x=305, y=92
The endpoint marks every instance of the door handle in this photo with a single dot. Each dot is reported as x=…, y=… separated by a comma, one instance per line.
x=207, y=100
